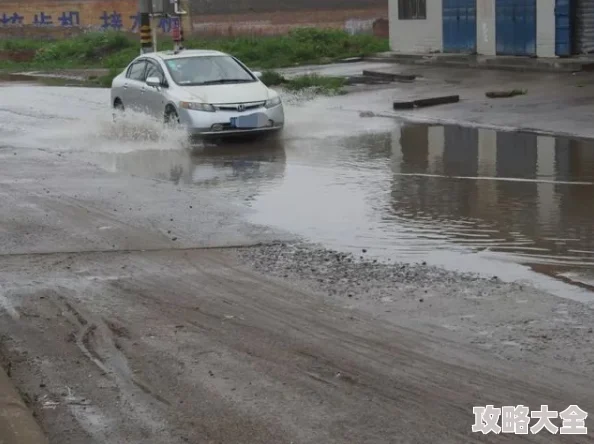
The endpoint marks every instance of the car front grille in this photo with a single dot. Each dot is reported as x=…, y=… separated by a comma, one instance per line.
x=238, y=107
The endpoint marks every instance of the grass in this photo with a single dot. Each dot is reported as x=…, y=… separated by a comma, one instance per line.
x=299, y=47
x=272, y=78
x=320, y=84
x=104, y=81
x=114, y=50
x=19, y=45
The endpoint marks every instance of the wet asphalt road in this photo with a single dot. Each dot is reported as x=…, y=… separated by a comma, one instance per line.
x=463, y=198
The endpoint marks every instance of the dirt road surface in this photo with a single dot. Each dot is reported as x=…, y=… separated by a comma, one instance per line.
x=145, y=299
x=190, y=346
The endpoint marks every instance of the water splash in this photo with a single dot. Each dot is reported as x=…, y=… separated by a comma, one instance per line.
x=132, y=131
x=63, y=119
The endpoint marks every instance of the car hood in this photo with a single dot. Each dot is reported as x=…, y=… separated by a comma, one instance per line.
x=230, y=93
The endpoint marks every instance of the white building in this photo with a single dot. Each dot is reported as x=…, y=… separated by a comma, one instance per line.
x=543, y=28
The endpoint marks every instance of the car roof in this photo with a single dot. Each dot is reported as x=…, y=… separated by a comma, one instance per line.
x=168, y=55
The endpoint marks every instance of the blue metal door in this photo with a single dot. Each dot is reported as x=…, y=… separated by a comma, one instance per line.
x=563, y=27
x=459, y=26
x=515, y=25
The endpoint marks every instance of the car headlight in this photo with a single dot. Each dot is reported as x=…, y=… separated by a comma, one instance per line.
x=195, y=106
x=275, y=101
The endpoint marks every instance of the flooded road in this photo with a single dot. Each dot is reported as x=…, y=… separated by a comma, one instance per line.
x=154, y=288
x=468, y=199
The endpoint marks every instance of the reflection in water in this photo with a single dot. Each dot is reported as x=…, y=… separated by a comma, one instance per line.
x=224, y=166
x=419, y=192
x=234, y=164
x=522, y=194
x=440, y=194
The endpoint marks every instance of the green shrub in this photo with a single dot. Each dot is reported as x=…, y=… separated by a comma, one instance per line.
x=20, y=45
x=300, y=46
x=89, y=48
x=322, y=84
x=116, y=50
x=272, y=78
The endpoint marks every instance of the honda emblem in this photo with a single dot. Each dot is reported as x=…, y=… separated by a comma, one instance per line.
x=240, y=108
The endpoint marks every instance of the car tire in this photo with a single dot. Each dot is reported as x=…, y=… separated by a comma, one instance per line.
x=171, y=116
x=118, y=107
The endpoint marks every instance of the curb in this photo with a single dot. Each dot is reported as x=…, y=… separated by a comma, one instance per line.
x=429, y=101
x=17, y=425
x=502, y=65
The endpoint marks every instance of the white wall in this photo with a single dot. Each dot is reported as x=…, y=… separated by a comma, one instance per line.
x=545, y=28
x=417, y=35
x=485, y=27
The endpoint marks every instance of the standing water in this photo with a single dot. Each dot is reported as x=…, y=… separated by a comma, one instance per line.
x=464, y=198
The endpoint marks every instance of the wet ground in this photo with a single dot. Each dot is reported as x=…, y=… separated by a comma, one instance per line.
x=144, y=293
x=449, y=196
x=467, y=199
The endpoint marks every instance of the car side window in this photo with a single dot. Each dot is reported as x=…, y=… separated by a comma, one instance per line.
x=153, y=70
x=136, y=71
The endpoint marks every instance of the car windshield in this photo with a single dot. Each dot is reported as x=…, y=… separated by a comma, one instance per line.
x=207, y=70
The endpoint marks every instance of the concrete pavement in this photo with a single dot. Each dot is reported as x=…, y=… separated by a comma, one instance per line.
x=554, y=104
x=506, y=63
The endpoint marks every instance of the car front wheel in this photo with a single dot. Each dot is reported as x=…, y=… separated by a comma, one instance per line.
x=171, y=116
x=118, y=108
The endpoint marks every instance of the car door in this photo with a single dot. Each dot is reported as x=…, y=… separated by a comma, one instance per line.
x=152, y=97
x=134, y=84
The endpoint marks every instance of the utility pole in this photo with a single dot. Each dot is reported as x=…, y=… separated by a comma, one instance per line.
x=177, y=29
x=150, y=9
x=146, y=45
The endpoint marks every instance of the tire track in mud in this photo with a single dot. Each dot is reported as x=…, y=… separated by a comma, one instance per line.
x=97, y=340
x=240, y=354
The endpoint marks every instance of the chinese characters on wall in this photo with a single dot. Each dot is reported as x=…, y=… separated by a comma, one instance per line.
x=108, y=20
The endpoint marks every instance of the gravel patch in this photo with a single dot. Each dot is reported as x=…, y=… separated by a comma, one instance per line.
x=341, y=274
x=509, y=320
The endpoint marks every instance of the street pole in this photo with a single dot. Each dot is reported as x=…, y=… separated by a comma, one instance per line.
x=155, y=46
x=178, y=32
x=145, y=26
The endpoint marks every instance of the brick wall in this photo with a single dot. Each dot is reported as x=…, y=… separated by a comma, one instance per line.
x=60, y=18
x=269, y=17
x=275, y=23
x=211, y=7
x=120, y=15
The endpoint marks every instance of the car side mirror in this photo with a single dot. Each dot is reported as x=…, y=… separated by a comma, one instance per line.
x=258, y=74
x=154, y=81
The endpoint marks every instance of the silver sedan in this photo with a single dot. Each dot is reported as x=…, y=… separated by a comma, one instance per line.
x=208, y=92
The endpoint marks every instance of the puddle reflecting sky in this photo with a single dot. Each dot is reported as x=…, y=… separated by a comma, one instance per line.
x=463, y=198
x=469, y=199
x=523, y=195
x=459, y=197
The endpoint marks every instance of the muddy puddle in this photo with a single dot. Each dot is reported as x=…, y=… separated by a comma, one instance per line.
x=468, y=199
x=497, y=203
